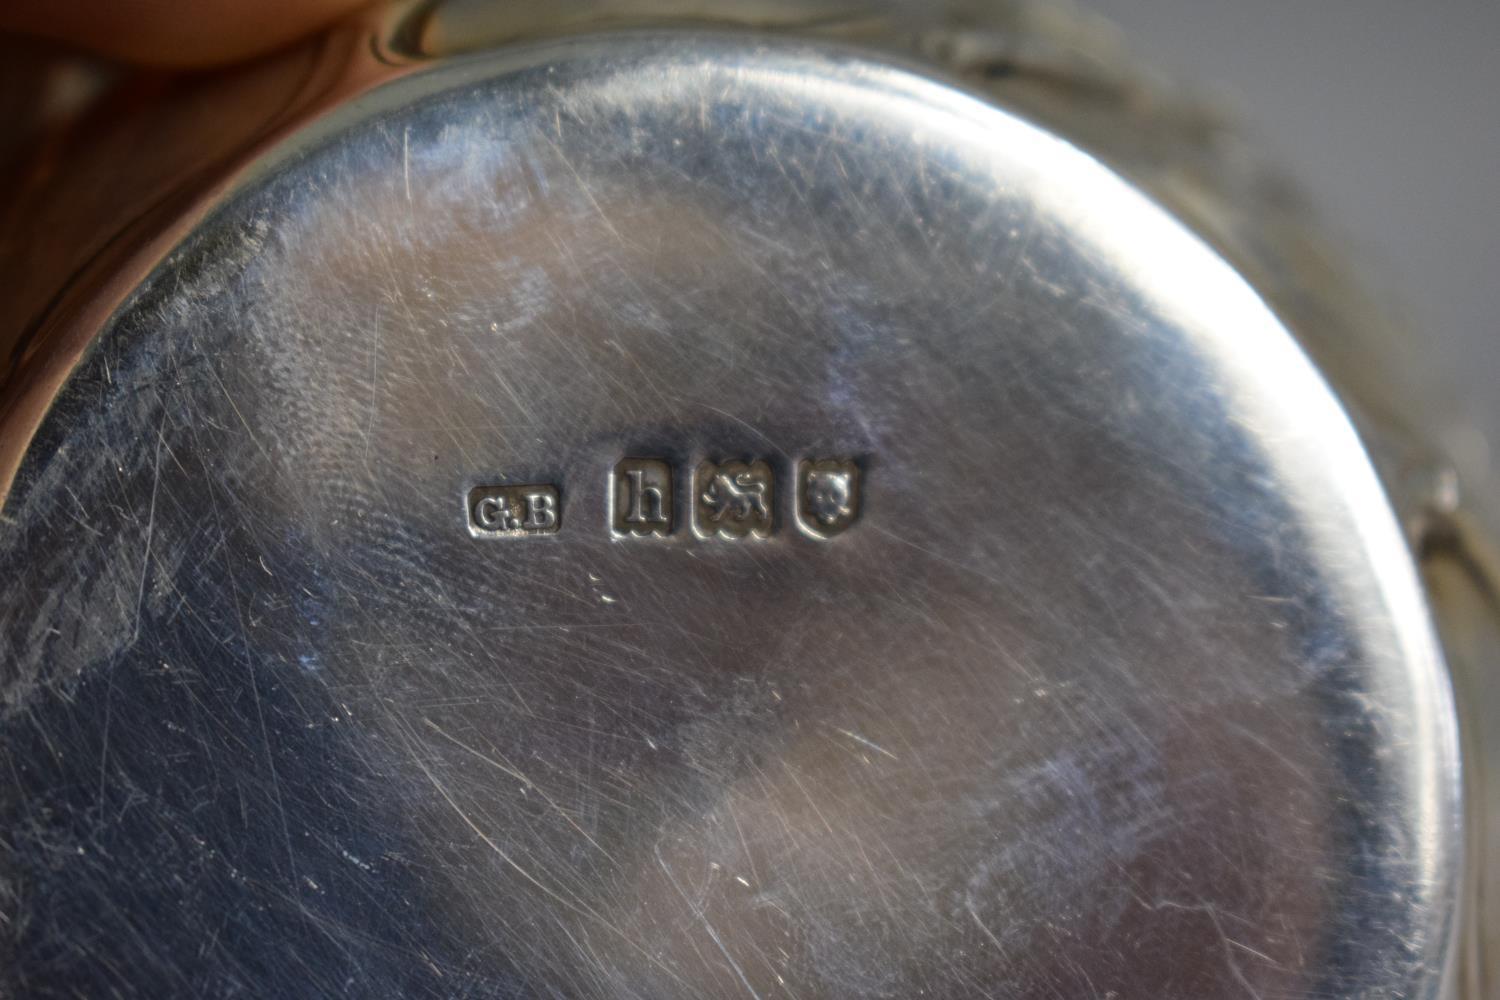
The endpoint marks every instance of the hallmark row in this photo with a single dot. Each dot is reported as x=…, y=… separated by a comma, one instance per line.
x=732, y=500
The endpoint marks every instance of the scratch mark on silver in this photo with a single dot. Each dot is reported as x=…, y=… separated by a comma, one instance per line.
x=140, y=594
x=406, y=161
x=867, y=743
x=516, y=773
x=703, y=919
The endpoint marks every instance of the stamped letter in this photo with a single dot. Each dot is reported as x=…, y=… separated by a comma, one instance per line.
x=641, y=497
x=513, y=511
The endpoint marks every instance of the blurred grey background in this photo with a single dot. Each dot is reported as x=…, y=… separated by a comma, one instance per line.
x=1388, y=113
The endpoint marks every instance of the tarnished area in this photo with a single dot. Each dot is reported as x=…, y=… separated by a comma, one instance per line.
x=1120, y=682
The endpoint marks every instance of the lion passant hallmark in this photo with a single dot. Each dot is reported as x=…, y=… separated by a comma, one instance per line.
x=733, y=499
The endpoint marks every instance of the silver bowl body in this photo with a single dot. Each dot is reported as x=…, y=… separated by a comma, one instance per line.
x=691, y=512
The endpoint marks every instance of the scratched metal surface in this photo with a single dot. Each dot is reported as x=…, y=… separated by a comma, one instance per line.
x=1120, y=685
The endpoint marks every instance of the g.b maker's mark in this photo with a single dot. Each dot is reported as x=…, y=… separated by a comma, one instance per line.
x=514, y=511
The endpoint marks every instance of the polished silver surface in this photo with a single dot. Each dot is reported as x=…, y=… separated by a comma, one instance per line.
x=1119, y=681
